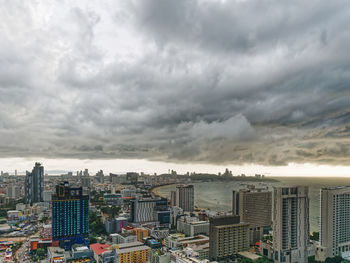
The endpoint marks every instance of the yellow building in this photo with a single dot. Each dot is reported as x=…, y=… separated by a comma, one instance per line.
x=140, y=232
x=134, y=252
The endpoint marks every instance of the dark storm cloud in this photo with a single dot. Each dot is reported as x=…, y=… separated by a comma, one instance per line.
x=207, y=81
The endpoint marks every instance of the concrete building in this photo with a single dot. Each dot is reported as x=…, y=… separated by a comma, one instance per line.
x=179, y=241
x=173, y=198
x=227, y=237
x=34, y=185
x=86, y=181
x=290, y=224
x=113, y=199
x=115, y=225
x=150, y=210
x=13, y=192
x=47, y=196
x=140, y=232
x=191, y=226
x=185, y=256
x=132, y=177
x=128, y=192
x=335, y=223
x=123, y=238
x=134, y=252
x=254, y=206
x=159, y=256
x=142, y=210
x=185, y=197
x=100, y=176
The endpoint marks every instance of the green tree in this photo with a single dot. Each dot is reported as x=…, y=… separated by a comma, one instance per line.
x=315, y=236
x=96, y=225
x=41, y=252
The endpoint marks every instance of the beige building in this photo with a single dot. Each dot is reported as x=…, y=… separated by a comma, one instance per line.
x=290, y=224
x=254, y=206
x=227, y=237
x=335, y=223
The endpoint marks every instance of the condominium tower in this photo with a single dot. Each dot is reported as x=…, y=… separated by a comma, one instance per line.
x=335, y=223
x=290, y=224
x=254, y=206
x=34, y=184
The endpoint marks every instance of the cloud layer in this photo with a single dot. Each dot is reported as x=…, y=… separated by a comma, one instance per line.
x=234, y=82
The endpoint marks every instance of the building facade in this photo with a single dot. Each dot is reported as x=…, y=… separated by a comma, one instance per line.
x=150, y=210
x=70, y=216
x=34, y=185
x=335, y=223
x=227, y=237
x=290, y=224
x=254, y=206
x=185, y=197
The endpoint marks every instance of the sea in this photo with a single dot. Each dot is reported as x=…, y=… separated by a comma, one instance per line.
x=217, y=196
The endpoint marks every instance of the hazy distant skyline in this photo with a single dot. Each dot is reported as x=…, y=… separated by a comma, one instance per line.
x=206, y=84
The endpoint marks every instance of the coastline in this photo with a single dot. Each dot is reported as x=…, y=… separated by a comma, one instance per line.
x=156, y=189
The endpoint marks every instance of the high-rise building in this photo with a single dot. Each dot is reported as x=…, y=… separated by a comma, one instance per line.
x=290, y=224
x=70, y=216
x=227, y=237
x=100, y=176
x=34, y=184
x=86, y=181
x=254, y=206
x=173, y=198
x=185, y=197
x=335, y=223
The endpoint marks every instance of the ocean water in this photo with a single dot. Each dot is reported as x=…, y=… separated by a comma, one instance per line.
x=217, y=196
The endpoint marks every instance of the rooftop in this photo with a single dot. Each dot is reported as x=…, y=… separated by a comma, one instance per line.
x=99, y=248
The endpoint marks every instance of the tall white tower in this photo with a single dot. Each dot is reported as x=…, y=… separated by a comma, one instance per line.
x=290, y=224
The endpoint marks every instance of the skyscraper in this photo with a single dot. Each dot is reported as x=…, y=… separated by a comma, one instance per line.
x=100, y=176
x=227, y=237
x=335, y=223
x=254, y=206
x=290, y=224
x=34, y=184
x=185, y=197
x=70, y=216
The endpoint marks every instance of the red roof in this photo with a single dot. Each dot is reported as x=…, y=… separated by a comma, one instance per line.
x=99, y=248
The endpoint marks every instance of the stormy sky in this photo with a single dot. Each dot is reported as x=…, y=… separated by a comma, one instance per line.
x=188, y=81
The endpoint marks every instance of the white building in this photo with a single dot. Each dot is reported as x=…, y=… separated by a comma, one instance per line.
x=13, y=192
x=123, y=238
x=290, y=224
x=335, y=223
x=47, y=196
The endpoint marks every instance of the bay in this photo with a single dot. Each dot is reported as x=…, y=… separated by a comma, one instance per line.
x=217, y=196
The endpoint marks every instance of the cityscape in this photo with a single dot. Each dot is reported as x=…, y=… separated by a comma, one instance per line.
x=174, y=131
x=80, y=217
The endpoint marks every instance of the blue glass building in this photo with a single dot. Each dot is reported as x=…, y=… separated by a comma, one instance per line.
x=70, y=216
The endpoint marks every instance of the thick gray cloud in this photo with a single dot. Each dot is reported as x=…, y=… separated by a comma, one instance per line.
x=206, y=81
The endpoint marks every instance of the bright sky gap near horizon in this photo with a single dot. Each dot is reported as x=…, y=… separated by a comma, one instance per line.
x=200, y=86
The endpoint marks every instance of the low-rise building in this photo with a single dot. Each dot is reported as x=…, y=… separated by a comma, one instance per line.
x=123, y=238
